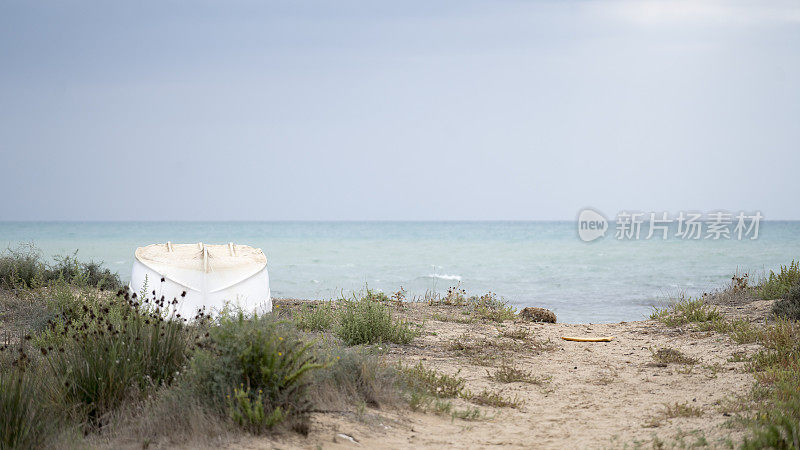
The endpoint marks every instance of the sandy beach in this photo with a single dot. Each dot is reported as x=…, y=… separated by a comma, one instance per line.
x=584, y=395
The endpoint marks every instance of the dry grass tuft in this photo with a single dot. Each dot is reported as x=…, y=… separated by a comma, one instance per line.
x=494, y=399
x=511, y=374
x=667, y=355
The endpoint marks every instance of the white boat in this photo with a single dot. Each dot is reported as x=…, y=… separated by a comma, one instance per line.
x=211, y=276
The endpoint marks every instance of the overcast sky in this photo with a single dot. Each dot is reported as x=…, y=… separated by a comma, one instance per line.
x=397, y=110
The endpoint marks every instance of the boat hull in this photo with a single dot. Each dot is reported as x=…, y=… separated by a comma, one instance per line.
x=195, y=290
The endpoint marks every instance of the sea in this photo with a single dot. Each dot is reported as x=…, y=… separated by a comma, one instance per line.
x=542, y=264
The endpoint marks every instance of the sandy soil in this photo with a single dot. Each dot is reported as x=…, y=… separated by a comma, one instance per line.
x=590, y=395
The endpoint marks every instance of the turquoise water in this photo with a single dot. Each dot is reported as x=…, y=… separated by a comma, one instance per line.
x=527, y=263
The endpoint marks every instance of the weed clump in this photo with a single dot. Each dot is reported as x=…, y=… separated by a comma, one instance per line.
x=430, y=382
x=494, y=399
x=783, y=433
x=24, y=267
x=668, y=355
x=777, y=395
x=366, y=320
x=789, y=305
x=681, y=410
x=352, y=376
x=484, y=307
x=255, y=371
x=778, y=284
x=315, y=317
x=489, y=307
x=686, y=310
x=511, y=374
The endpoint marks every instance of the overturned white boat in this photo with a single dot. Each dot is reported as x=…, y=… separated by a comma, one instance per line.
x=210, y=275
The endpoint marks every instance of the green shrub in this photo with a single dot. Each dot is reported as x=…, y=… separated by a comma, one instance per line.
x=26, y=421
x=315, y=317
x=777, y=371
x=426, y=381
x=112, y=351
x=366, y=321
x=246, y=408
x=23, y=267
x=789, y=306
x=686, y=310
x=89, y=273
x=778, y=285
x=489, y=307
x=376, y=296
x=784, y=433
x=255, y=370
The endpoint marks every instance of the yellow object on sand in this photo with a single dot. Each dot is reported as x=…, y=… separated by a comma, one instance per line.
x=588, y=339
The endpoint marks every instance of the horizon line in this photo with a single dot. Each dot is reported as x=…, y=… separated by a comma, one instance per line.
x=319, y=221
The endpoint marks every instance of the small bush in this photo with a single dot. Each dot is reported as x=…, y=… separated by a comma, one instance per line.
x=778, y=284
x=23, y=267
x=430, y=382
x=315, y=317
x=789, y=306
x=247, y=409
x=686, y=310
x=783, y=433
x=740, y=330
x=367, y=321
x=489, y=307
x=777, y=371
x=256, y=371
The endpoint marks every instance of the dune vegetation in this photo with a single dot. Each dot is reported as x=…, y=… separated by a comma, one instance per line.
x=86, y=362
x=83, y=359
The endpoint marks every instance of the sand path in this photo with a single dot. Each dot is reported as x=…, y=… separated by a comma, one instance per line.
x=598, y=395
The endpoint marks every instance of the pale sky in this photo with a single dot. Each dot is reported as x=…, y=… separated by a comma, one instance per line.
x=407, y=110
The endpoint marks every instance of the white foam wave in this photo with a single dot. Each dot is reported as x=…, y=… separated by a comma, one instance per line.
x=444, y=276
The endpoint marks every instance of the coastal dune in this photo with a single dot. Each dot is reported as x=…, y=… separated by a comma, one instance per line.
x=652, y=383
